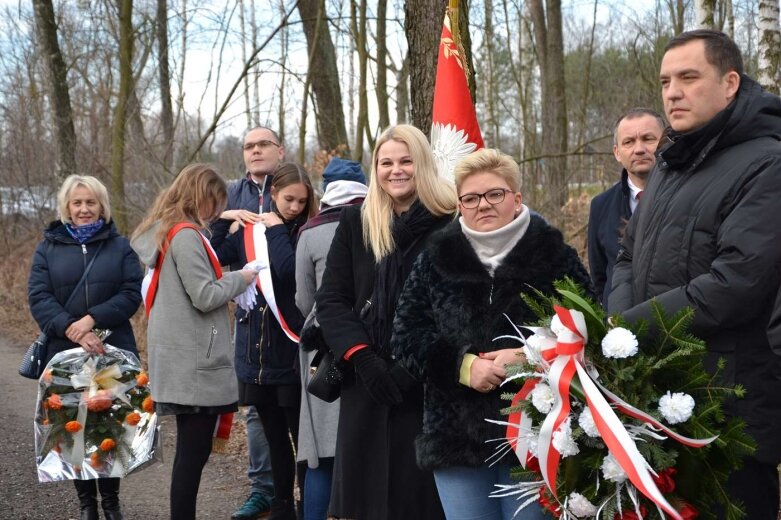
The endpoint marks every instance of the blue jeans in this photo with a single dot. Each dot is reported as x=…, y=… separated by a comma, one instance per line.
x=259, y=471
x=464, y=493
x=317, y=490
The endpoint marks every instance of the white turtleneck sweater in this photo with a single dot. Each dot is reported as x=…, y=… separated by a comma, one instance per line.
x=493, y=246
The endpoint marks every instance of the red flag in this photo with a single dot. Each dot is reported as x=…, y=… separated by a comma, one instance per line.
x=454, y=129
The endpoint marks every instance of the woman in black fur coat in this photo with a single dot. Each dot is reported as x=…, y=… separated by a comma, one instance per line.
x=453, y=306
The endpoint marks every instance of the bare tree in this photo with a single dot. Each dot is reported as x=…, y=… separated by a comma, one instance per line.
x=120, y=114
x=769, y=45
x=382, y=67
x=359, y=34
x=549, y=39
x=704, y=13
x=59, y=93
x=164, y=74
x=423, y=26
x=325, y=78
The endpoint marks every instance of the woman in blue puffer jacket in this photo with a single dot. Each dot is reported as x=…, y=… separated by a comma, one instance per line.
x=107, y=299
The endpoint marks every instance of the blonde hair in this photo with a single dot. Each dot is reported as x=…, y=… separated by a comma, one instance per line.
x=488, y=160
x=434, y=192
x=86, y=181
x=196, y=186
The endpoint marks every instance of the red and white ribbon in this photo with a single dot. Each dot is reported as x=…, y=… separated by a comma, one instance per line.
x=571, y=338
x=256, y=247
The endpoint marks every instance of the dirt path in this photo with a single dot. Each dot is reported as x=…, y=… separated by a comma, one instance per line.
x=144, y=495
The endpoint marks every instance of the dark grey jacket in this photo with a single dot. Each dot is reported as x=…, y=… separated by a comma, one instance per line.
x=707, y=236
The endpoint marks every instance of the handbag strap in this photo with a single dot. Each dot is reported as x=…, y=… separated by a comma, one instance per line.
x=83, y=276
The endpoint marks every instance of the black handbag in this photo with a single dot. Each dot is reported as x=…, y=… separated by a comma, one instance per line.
x=326, y=380
x=31, y=366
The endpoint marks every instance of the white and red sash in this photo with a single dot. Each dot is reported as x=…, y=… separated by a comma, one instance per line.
x=222, y=429
x=256, y=248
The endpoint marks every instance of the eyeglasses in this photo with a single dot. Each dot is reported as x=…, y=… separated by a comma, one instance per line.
x=262, y=143
x=492, y=197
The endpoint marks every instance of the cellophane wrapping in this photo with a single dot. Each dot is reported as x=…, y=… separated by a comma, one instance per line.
x=94, y=417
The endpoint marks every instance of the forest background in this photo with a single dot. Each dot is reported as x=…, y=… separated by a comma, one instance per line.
x=130, y=91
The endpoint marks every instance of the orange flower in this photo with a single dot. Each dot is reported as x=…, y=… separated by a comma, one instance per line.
x=100, y=402
x=72, y=426
x=133, y=418
x=54, y=401
x=148, y=405
x=46, y=422
x=95, y=460
x=47, y=376
x=108, y=444
x=142, y=379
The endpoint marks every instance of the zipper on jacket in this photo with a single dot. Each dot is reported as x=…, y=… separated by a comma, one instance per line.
x=491, y=294
x=260, y=343
x=211, y=342
x=86, y=282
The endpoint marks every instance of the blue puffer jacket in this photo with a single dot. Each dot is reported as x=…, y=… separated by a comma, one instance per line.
x=111, y=294
x=264, y=354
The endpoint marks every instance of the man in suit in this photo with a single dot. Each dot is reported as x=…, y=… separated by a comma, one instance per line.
x=635, y=137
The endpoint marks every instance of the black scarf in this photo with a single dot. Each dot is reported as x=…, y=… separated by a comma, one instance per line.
x=389, y=275
x=689, y=149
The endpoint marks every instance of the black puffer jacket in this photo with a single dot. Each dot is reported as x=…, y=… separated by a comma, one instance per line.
x=111, y=294
x=707, y=236
x=451, y=306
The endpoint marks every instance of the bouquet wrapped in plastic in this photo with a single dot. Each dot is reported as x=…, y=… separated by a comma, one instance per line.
x=94, y=416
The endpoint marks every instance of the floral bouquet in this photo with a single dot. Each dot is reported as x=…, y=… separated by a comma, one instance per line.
x=613, y=423
x=95, y=416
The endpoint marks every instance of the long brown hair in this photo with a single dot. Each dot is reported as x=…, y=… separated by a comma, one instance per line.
x=290, y=173
x=197, y=186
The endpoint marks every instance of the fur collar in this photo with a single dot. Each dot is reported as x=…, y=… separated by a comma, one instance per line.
x=453, y=256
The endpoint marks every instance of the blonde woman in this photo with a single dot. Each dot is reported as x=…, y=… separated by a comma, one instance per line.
x=457, y=299
x=375, y=474
x=107, y=299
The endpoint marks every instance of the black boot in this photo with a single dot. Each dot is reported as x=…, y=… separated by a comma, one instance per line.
x=282, y=510
x=88, y=499
x=109, y=498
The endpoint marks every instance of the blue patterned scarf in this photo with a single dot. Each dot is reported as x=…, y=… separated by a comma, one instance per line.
x=83, y=233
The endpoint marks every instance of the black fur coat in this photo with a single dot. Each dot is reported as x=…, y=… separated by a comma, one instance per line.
x=451, y=306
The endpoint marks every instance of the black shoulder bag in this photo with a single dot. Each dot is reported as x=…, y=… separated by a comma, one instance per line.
x=31, y=366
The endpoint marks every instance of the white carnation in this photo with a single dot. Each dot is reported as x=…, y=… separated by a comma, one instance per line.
x=612, y=471
x=619, y=343
x=563, y=441
x=586, y=421
x=580, y=506
x=533, y=446
x=676, y=408
x=557, y=327
x=542, y=398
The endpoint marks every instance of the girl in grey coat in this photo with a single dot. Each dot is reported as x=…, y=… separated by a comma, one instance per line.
x=190, y=352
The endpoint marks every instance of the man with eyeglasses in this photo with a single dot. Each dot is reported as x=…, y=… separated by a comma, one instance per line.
x=247, y=198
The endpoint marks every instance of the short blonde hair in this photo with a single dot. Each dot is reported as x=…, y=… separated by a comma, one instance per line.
x=92, y=184
x=488, y=160
x=434, y=192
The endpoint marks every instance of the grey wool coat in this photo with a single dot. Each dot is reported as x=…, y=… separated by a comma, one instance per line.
x=190, y=351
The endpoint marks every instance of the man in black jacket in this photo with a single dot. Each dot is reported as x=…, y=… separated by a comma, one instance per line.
x=247, y=197
x=636, y=134
x=706, y=236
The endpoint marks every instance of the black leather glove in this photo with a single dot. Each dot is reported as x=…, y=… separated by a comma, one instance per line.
x=374, y=373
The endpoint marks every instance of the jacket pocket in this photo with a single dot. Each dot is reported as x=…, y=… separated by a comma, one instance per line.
x=213, y=351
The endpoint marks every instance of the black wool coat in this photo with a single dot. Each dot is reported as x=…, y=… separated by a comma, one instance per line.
x=451, y=306
x=610, y=211
x=111, y=294
x=706, y=236
x=375, y=476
